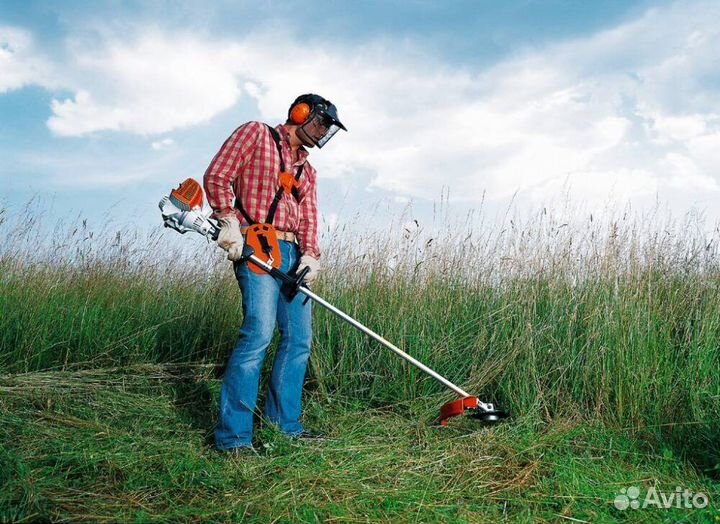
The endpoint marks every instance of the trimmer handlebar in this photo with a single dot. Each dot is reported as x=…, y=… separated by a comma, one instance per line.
x=293, y=283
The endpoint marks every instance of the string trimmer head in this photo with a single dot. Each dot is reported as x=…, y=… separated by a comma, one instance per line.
x=473, y=408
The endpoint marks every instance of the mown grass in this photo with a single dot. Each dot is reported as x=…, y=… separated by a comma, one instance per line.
x=100, y=445
x=601, y=338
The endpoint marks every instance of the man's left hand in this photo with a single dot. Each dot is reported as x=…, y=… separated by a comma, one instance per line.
x=313, y=264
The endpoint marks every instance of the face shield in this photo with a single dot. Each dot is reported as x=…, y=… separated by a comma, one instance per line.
x=320, y=127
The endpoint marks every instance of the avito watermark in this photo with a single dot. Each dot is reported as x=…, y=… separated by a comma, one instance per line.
x=681, y=498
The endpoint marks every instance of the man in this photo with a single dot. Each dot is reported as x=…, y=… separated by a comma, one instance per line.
x=261, y=176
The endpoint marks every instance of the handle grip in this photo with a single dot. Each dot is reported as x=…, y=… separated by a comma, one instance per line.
x=292, y=283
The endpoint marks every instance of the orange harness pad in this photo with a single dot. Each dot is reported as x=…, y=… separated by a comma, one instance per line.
x=288, y=182
x=263, y=239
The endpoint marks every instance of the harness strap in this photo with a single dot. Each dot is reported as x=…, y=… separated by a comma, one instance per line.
x=278, y=195
x=239, y=207
x=276, y=138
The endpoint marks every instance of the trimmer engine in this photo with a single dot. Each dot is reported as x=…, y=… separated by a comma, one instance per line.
x=182, y=211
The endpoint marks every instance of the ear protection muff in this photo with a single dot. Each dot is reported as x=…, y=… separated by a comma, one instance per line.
x=300, y=113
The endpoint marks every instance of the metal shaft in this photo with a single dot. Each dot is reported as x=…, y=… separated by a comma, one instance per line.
x=392, y=347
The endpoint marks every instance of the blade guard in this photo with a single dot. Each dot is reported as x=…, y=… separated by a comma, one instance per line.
x=456, y=408
x=472, y=407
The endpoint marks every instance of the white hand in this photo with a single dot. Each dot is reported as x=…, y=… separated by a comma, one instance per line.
x=313, y=264
x=230, y=237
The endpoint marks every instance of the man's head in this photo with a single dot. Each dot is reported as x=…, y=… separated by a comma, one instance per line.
x=316, y=119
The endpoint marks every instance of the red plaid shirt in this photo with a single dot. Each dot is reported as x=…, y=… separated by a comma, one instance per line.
x=248, y=167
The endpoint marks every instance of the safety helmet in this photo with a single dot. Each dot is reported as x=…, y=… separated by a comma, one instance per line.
x=316, y=118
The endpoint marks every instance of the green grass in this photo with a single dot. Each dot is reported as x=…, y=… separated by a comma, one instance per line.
x=100, y=445
x=601, y=339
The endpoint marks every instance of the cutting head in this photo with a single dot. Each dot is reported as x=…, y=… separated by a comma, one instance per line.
x=488, y=415
x=472, y=407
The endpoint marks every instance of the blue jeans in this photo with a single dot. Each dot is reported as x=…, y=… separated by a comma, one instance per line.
x=263, y=304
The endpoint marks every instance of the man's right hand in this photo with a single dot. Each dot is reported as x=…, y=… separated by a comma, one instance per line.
x=230, y=237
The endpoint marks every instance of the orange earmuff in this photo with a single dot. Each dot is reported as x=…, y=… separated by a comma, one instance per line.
x=300, y=113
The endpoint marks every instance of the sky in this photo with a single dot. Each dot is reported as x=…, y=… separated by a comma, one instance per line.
x=450, y=105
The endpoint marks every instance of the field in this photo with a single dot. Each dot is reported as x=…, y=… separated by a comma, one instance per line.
x=600, y=337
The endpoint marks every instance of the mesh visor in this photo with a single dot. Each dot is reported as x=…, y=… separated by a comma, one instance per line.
x=320, y=129
x=328, y=135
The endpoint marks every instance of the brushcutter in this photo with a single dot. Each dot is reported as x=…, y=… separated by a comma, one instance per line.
x=182, y=210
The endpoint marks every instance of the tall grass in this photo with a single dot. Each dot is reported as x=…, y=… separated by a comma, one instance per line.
x=614, y=320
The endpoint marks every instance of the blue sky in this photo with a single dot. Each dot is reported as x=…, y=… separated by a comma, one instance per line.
x=105, y=105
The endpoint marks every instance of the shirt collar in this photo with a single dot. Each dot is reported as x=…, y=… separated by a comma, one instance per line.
x=285, y=138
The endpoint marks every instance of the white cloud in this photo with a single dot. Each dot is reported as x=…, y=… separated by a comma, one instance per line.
x=148, y=86
x=680, y=128
x=162, y=144
x=626, y=111
x=20, y=65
